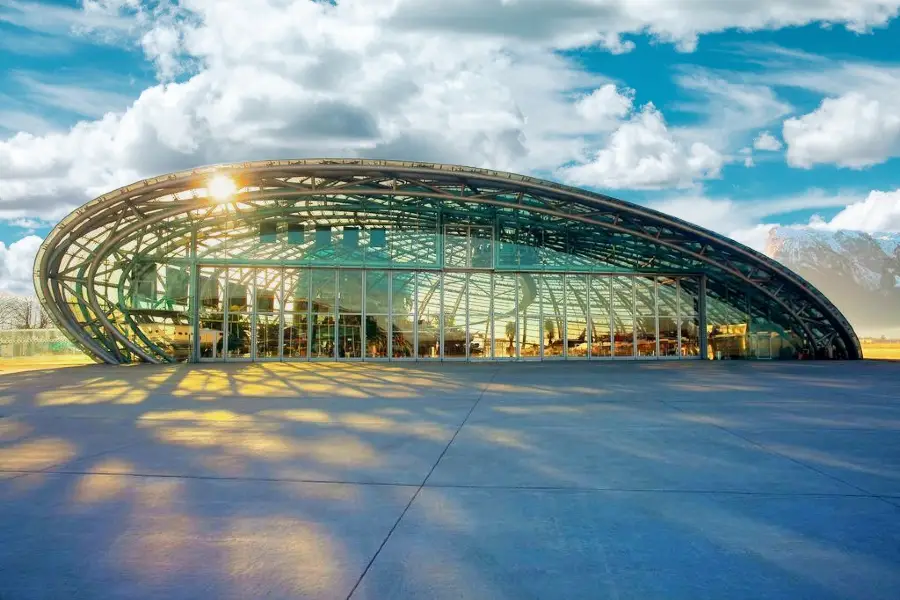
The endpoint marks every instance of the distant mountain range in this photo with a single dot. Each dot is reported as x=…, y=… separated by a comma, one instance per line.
x=859, y=272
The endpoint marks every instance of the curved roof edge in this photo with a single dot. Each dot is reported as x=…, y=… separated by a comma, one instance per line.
x=323, y=165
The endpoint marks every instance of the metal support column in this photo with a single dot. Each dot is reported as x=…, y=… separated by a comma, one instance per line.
x=704, y=354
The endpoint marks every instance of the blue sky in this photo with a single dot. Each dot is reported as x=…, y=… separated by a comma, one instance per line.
x=660, y=102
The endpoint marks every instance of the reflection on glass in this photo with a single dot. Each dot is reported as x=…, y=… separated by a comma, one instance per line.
x=296, y=290
x=668, y=336
x=667, y=296
x=322, y=338
x=323, y=290
x=690, y=337
x=350, y=291
x=402, y=340
x=456, y=246
x=350, y=336
x=727, y=324
x=377, y=327
x=211, y=333
x=296, y=335
x=576, y=315
x=457, y=315
x=601, y=342
x=530, y=324
x=505, y=325
x=479, y=336
x=377, y=292
x=403, y=292
x=623, y=315
x=481, y=244
x=237, y=336
x=267, y=334
x=454, y=315
x=554, y=315
x=428, y=292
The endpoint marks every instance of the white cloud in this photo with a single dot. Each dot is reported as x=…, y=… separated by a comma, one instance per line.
x=104, y=23
x=87, y=101
x=767, y=142
x=16, y=264
x=854, y=130
x=749, y=220
x=382, y=78
x=856, y=125
x=573, y=23
x=644, y=154
x=880, y=211
x=604, y=106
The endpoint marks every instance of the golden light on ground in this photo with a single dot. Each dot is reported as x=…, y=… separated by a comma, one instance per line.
x=36, y=454
x=221, y=188
x=99, y=486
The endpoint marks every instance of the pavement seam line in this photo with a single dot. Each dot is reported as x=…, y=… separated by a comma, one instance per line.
x=785, y=456
x=422, y=485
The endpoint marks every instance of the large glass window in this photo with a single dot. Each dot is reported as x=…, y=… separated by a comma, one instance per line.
x=727, y=323
x=480, y=299
x=468, y=246
x=505, y=326
x=553, y=290
x=601, y=342
x=377, y=301
x=623, y=316
x=576, y=316
x=403, y=320
x=667, y=307
x=530, y=326
x=377, y=328
x=645, y=315
x=428, y=291
x=239, y=317
x=264, y=313
x=296, y=336
x=455, y=314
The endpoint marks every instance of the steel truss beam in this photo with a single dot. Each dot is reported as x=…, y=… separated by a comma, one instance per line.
x=161, y=217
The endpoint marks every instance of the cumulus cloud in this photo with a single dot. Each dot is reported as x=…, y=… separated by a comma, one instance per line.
x=580, y=22
x=386, y=79
x=16, y=264
x=604, y=106
x=644, y=154
x=351, y=82
x=767, y=142
x=749, y=220
x=853, y=130
x=880, y=211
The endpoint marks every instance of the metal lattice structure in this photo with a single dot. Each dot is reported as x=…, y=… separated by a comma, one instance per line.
x=100, y=271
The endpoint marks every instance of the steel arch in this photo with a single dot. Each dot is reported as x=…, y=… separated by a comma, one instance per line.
x=98, y=242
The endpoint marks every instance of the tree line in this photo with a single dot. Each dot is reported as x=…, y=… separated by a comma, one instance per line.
x=23, y=312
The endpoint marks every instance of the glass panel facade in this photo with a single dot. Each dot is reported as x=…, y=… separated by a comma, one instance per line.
x=298, y=313
x=553, y=305
x=455, y=314
x=623, y=316
x=576, y=316
x=601, y=341
x=428, y=314
x=505, y=326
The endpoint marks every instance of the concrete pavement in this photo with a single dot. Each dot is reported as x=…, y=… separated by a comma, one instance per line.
x=551, y=480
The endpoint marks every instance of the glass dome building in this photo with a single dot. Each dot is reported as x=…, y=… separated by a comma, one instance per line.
x=381, y=260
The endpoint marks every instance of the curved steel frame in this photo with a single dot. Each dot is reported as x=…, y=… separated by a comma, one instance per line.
x=178, y=205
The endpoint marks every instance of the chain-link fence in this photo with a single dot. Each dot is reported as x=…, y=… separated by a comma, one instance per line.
x=18, y=343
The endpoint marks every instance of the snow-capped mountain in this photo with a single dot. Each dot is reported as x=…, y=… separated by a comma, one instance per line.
x=859, y=271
